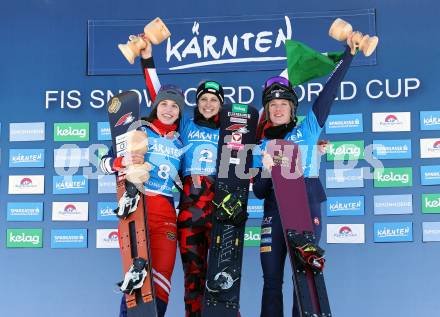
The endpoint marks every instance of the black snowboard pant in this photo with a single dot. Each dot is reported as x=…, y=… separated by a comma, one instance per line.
x=273, y=252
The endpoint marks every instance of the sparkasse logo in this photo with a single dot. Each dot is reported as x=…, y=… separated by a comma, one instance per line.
x=393, y=177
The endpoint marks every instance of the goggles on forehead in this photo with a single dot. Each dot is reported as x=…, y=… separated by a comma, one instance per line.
x=277, y=80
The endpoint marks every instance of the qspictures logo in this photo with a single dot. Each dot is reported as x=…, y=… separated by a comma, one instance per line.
x=393, y=177
x=64, y=132
x=431, y=203
x=24, y=238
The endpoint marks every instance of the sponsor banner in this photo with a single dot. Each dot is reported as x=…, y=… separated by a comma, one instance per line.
x=26, y=158
x=28, y=131
x=431, y=203
x=345, y=150
x=104, y=133
x=71, y=157
x=430, y=175
x=255, y=208
x=106, y=184
x=101, y=152
x=223, y=43
x=68, y=238
x=107, y=239
x=393, y=204
x=392, y=149
x=391, y=121
x=71, y=131
x=431, y=231
x=393, y=177
x=345, y=206
x=344, y=123
x=24, y=238
x=24, y=211
x=252, y=236
x=429, y=120
x=77, y=184
x=105, y=211
x=345, y=233
x=70, y=211
x=430, y=148
x=344, y=178
x=26, y=184
x=393, y=231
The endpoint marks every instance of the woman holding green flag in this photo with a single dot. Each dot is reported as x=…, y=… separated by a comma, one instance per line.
x=280, y=104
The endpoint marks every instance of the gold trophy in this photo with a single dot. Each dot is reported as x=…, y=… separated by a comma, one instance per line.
x=137, y=141
x=156, y=32
x=340, y=30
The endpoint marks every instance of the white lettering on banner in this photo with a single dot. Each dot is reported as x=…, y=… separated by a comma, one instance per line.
x=24, y=238
x=71, y=132
x=211, y=48
x=375, y=89
x=432, y=203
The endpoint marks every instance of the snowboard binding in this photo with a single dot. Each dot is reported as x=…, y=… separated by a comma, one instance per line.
x=128, y=202
x=135, y=276
x=231, y=208
x=306, y=251
x=224, y=280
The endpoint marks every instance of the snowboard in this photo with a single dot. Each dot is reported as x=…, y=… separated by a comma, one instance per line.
x=238, y=123
x=124, y=110
x=305, y=256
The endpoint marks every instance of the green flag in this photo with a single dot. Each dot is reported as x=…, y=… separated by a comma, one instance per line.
x=304, y=63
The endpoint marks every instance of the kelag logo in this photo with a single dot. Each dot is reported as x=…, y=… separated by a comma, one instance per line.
x=430, y=148
x=104, y=133
x=255, y=208
x=64, y=132
x=391, y=149
x=345, y=206
x=105, y=211
x=393, y=232
x=29, y=131
x=431, y=231
x=345, y=233
x=107, y=239
x=70, y=211
x=252, y=236
x=68, y=238
x=344, y=178
x=430, y=175
x=393, y=204
x=345, y=150
x=393, y=177
x=431, y=203
x=77, y=184
x=429, y=120
x=344, y=123
x=26, y=158
x=391, y=121
x=24, y=212
x=24, y=238
x=106, y=184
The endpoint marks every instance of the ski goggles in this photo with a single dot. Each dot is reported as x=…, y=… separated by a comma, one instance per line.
x=280, y=80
